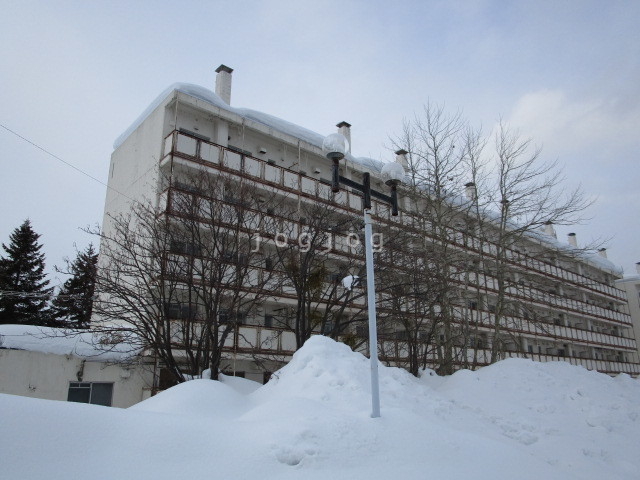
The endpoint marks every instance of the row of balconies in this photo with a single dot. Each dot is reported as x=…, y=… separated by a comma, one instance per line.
x=273, y=341
x=191, y=147
x=528, y=294
x=276, y=287
x=542, y=298
x=558, y=273
x=548, y=330
x=233, y=160
x=211, y=153
x=484, y=320
x=537, y=297
x=545, y=298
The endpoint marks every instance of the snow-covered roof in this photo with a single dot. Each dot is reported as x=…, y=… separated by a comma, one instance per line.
x=58, y=341
x=630, y=279
x=591, y=258
x=594, y=259
x=278, y=124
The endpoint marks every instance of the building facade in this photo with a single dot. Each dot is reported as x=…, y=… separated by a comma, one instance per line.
x=569, y=307
x=631, y=285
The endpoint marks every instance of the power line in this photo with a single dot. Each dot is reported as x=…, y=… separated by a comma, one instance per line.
x=18, y=294
x=64, y=161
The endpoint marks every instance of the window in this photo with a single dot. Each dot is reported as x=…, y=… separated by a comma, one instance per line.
x=187, y=248
x=95, y=393
x=223, y=316
x=327, y=328
x=166, y=380
x=268, y=264
x=172, y=310
x=181, y=311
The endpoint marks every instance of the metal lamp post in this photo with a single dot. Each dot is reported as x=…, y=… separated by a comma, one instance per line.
x=335, y=147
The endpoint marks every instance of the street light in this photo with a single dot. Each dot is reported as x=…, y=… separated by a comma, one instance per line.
x=393, y=175
x=335, y=147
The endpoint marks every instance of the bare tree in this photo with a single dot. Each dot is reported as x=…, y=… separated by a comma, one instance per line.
x=436, y=158
x=527, y=193
x=476, y=213
x=318, y=248
x=180, y=279
x=410, y=300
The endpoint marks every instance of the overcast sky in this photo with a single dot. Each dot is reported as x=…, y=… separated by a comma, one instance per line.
x=75, y=75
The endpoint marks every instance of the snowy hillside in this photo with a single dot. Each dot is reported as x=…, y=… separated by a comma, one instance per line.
x=514, y=420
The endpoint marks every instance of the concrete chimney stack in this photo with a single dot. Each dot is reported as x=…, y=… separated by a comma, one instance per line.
x=223, y=83
x=401, y=158
x=344, y=128
x=573, y=240
x=603, y=252
x=549, y=230
x=470, y=191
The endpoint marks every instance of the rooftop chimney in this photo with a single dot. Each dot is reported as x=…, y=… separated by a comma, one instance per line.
x=572, y=239
x=603, y=252
x=223, y=83
x=470, y=191
x=549, y=230
x=401, y=158
x=344, y=128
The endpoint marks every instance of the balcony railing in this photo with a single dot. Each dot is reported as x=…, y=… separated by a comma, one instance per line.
x=180, y=145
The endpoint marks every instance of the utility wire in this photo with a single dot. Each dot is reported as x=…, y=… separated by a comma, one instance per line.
x=64, y=161
x=14, y=294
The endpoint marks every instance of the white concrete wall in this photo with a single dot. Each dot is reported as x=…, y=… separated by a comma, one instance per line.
x=47, y=376
x=631, y=285
x=133, y=171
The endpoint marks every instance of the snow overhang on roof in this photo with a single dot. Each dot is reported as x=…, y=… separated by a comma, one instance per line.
x=283, y=126
x=83, y=344
x=629, y=279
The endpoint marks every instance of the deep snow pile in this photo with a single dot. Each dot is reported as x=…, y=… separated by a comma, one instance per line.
x=514, y=420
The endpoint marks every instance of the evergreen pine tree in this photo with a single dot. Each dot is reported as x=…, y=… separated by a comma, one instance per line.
x=73, y=304
x=23, y=288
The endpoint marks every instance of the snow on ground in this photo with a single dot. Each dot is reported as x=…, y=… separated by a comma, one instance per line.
x=514, y=420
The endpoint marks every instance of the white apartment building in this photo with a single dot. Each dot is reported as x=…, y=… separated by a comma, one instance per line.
x=580, y=313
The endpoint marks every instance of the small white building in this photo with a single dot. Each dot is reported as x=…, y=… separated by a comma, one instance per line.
x=55, y=364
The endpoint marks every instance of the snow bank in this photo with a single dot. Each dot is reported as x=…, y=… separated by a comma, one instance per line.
x=197, y=397
x=60, y=341
x=514, y=420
